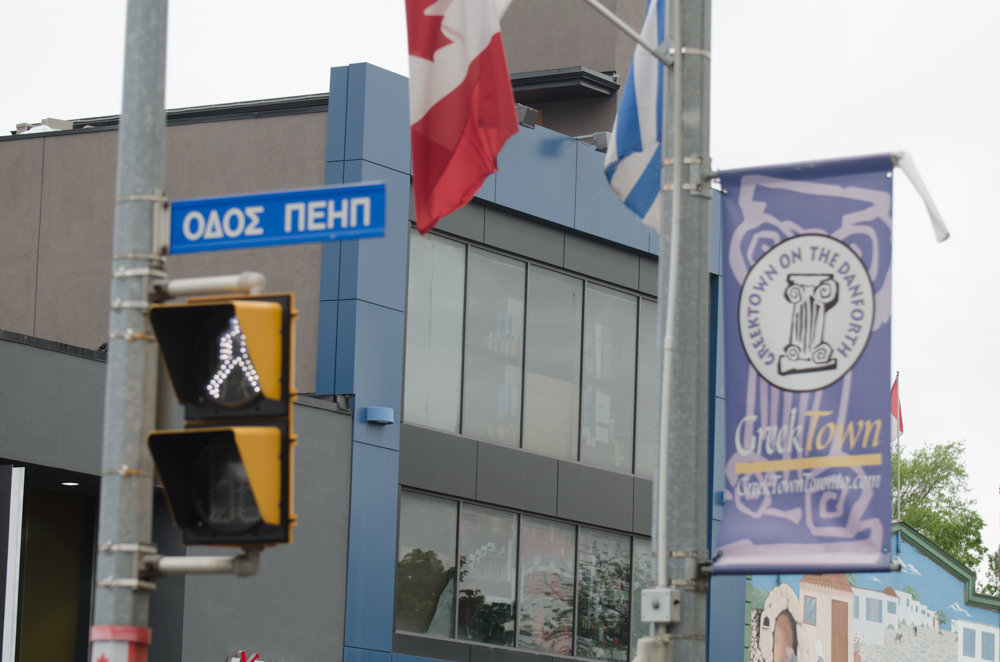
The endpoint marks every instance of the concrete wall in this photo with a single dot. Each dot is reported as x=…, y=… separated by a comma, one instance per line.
x=551, y=34
x=58, y=212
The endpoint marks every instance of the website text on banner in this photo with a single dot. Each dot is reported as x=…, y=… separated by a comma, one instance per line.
x=807, y=258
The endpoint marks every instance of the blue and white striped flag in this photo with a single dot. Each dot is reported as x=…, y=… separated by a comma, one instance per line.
x=632, y=163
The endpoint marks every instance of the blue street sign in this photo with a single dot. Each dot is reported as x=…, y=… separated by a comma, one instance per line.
x=328, y=213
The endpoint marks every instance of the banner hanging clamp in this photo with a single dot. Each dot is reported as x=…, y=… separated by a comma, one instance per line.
x=666, y=51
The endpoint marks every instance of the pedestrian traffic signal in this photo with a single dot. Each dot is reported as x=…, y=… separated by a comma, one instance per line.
x=228, y=475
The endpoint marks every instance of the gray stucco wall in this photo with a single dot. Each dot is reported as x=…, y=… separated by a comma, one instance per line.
x=293, y=609
x=57, y=219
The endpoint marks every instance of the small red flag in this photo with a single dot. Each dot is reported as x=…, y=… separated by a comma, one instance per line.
x=461, y=103
x=897, y=411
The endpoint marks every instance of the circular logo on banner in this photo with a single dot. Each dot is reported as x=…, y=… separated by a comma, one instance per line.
x=806, y=311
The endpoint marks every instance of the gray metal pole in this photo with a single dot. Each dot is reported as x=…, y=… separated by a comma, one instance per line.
x=681, y=507
x=126, y=510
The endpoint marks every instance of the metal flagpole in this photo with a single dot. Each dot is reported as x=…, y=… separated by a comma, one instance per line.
x=121, y=600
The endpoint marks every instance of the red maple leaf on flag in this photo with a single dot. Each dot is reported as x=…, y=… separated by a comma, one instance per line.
x=102, y=658
x=424, y=31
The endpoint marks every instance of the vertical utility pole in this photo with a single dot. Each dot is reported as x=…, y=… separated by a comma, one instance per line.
x=121, y=604
x=681, y=505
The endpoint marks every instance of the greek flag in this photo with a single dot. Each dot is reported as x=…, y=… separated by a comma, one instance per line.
x=632, y=163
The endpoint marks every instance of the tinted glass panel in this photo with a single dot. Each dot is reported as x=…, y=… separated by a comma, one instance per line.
x=425, y=570
x=552, y=363
x=646, y=409
x=548, y=559
x=605, y=574
x=493, y=348
x=487, y=575
x=609, y=345
x=435, y=313
x=642, y=561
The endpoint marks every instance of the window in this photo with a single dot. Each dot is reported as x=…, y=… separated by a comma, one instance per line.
x=642, y=566
x=604, y=578
x=493, y=343
x=890, y=607
x=522, y=581
x=548, y=560
x=487, y=560
x=857, y=607
x=514, y=353
x=810, y=610
x=646, y=391
x=609, y=348
x=425, y=567
x=552, y=363
x=873, y=610
x=989, y=646
x=968, y=642
x=436, y=316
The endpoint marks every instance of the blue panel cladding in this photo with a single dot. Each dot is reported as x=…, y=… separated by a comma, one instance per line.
x=599, y=210
x=399, y=657
x=375, y=269
x=727, y=601
x=715, y=234
x=538, y=175
x=326, y=347
x=336, y=121
x=329, y=280
x=370, y=365
x=488, y=191
x=378, y=117
x=371, y=554
x=334, y=172
x=364, y=655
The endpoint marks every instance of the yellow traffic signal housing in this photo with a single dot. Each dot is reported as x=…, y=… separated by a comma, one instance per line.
x=228, y=476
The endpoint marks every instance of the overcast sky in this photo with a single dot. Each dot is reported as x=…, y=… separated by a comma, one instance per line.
x=792, y=80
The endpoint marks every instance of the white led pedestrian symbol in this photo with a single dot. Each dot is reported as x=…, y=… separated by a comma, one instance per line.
x=230, y=362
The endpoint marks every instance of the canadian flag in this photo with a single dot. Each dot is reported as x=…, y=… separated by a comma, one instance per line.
x=461, y=104
x=897, y=411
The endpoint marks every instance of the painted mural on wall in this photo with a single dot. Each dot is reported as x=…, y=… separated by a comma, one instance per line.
x=920, y=613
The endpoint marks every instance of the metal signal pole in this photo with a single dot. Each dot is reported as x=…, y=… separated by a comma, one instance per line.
x=681, y=506
x=680, y=478
x=121, y=601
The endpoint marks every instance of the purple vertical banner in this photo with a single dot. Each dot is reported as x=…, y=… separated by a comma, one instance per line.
x=807, y=264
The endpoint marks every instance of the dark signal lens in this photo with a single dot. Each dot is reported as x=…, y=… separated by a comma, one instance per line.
x=227, y=375
x=221, y=490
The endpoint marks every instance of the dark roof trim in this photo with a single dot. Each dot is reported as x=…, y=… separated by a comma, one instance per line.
x=563, y=85
x=53, y=346
x=222, y=112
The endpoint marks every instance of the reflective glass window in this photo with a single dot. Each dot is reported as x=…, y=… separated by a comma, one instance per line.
x=425, y=570
x=548, y=560
x=603, y=605
x=609, y=347
x=552, y=363
x=487, y=575
x=642, y=566
x=435, y=314
x=493, y=348
x=646, y=409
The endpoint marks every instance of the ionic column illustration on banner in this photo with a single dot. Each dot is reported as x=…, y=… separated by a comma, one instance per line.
x=807, y=252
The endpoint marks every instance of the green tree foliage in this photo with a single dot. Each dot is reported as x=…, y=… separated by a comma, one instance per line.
x=942, y=618
x=851, y=580
x=420, y=579
x=990, y=582
x=912, y=591
x=934, y=500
